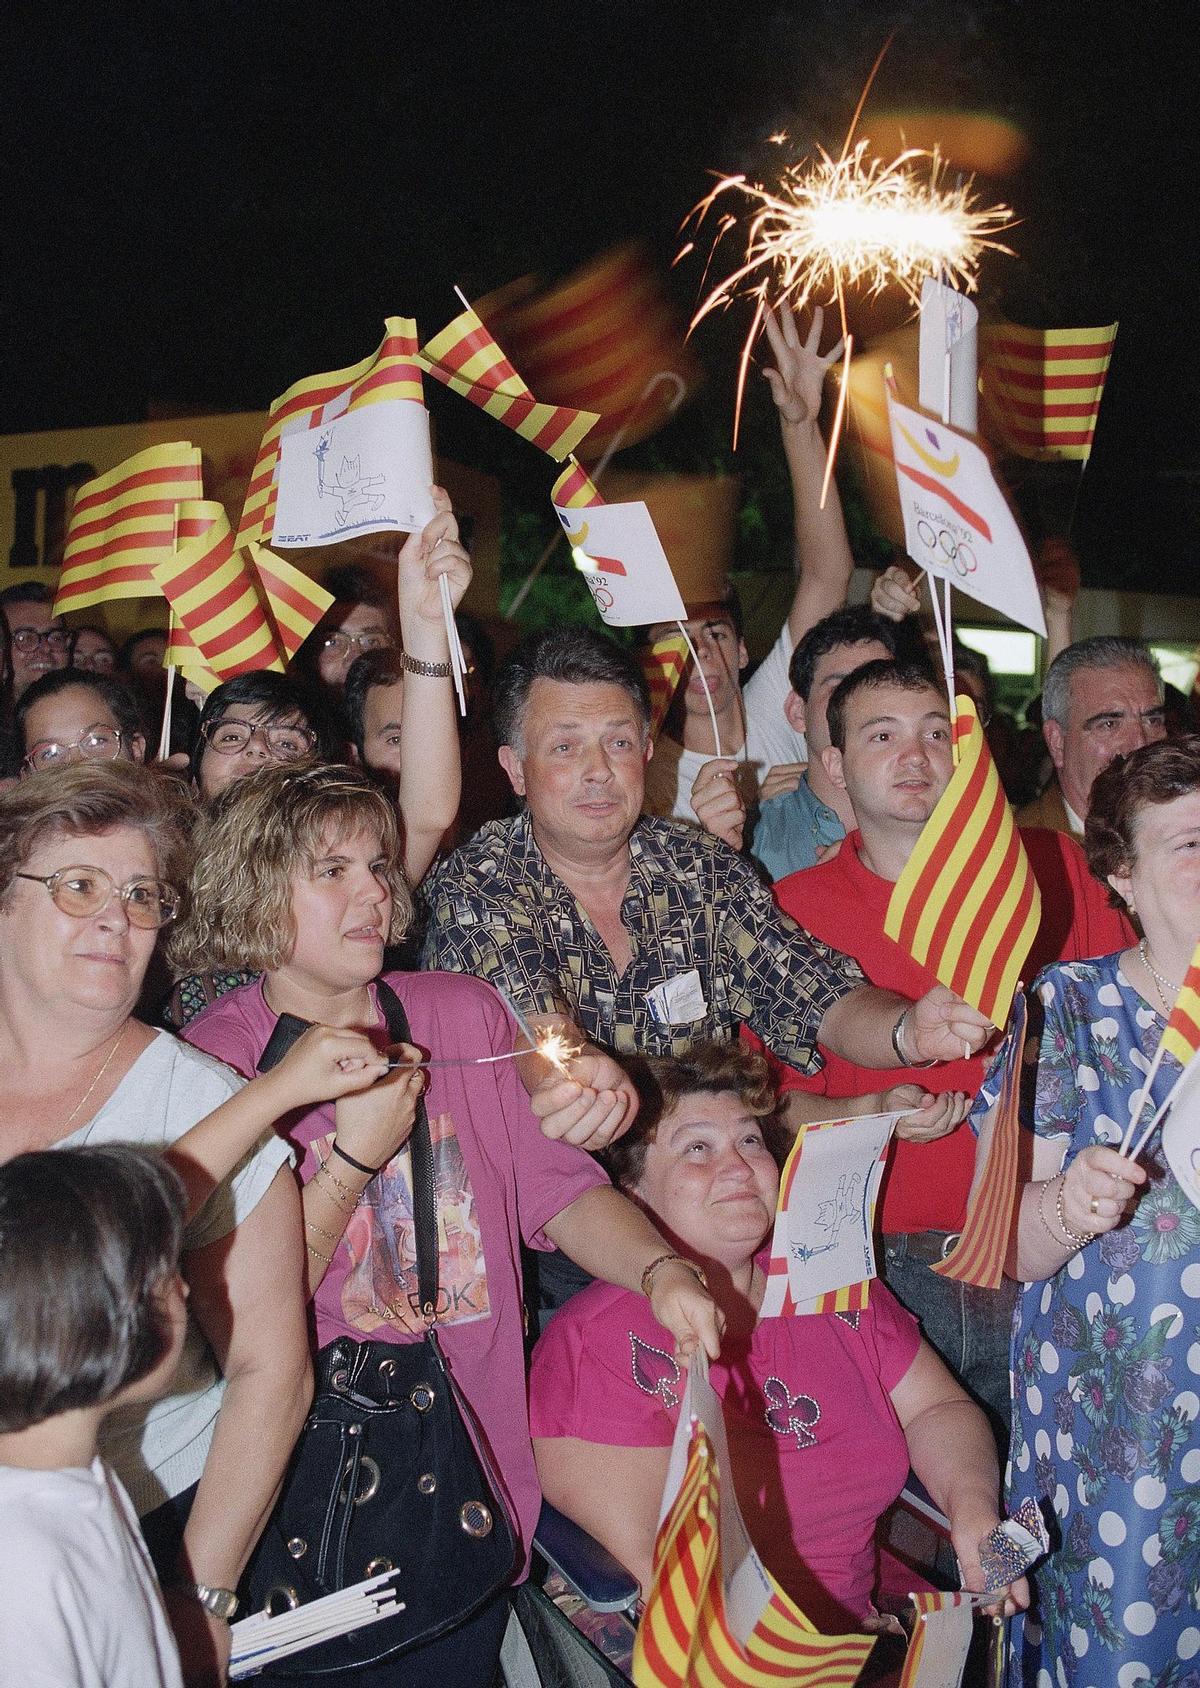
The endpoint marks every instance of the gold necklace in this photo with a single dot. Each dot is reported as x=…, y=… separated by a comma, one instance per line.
x=83, y=1100
x=1159, y=980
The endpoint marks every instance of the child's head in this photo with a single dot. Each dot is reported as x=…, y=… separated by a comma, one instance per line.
x=89, y=1251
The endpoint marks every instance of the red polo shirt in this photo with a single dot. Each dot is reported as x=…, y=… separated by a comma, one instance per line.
x=843, y=903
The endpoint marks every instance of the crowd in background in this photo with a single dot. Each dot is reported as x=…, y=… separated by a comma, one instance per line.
x=334, y=846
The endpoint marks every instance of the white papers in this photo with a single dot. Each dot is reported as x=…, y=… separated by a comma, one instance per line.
x=677, y=1001
x=258, y=1640
x=367, y=471
x=823, y=1239
x=957, y=524
x=627, y=571
x=937, y=1653
x=948, y=365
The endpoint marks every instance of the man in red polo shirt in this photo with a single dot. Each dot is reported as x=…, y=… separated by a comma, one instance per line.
x=890, y=751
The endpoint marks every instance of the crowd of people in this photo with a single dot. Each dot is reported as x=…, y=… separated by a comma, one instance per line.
x=260, y=998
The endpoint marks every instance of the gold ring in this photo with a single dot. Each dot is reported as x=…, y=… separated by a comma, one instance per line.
x=1095, y=1206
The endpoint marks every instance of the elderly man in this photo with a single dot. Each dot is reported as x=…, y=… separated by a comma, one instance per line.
x=1102, y=698
x=643, y=934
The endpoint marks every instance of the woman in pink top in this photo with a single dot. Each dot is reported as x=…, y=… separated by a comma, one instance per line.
x=297, y=877
x=825, y=1412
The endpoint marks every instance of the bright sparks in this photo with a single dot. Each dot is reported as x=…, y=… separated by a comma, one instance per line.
x=852, y=221
x=556, y=1048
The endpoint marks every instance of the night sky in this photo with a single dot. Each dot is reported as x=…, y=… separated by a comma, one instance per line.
x=208, y=201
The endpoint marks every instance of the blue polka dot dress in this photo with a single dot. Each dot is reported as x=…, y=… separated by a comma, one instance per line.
x=1106, y=1377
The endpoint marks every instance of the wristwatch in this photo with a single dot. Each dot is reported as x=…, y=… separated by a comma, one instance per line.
x=221, y=1602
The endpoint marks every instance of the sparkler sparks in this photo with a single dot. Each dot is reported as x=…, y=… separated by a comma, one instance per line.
x=554, y=1047
x=855, y=220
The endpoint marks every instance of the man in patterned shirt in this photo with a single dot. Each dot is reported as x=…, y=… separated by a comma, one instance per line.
x=637, y=934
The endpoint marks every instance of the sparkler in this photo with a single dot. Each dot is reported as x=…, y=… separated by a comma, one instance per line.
x=554, y=1047
x=855, y=220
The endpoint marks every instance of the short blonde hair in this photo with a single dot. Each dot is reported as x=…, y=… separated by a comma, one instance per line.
x=89, y=799
x=256, y=835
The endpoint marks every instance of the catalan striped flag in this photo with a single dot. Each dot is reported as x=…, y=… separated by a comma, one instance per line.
x=967, y=906
x=465, y=358
x=573, y=490
x=1182, y=1035
x=978, y=1256
x=182, y=653
x=295, y=601
x=663, y=665
x=212, y=593
x=391, y=372
x=1042, y=387
x=684, y=1639
x=607, y=340
x=121, y=522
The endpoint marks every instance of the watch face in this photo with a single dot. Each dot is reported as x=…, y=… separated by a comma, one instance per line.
x=221, y=1602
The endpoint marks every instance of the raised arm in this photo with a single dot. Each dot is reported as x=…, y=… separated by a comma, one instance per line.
x=823, y=559
x=430, y=761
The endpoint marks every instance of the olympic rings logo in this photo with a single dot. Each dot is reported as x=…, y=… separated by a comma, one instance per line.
x=947, y=549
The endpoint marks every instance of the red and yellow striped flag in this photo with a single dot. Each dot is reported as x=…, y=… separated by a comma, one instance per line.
x=391, y=372
x=598, y=340
x=574, y=490
x=121, y=522
x=663, y=664
x=684, y=1639
x=1042, y=387
x=466, y=358
x=295, y=601
x=183, y=654
x=978, y=1256
x=967, y=905
x=213, y=595
x=1182, y=1035
x=928, y=1602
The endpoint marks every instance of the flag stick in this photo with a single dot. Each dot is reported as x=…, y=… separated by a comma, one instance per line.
x=712, y=714
x=456, y=656
x=466, y=303
x=1143, y=1097
x=1149, y=1131
x=614, y=445
x=164, y=737
x=943, y=646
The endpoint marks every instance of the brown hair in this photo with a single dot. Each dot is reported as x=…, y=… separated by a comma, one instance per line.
x=92, y=798
x=257, y=833
x=709, y=1069
x=1157, y=773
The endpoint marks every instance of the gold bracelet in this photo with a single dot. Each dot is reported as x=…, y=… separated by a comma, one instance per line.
x=1079, y=1239
x=432, y=670
x=352, y=1196
x=663, y=1260
x=1041, y=1208
x=327, y=1259
x=330, y=1236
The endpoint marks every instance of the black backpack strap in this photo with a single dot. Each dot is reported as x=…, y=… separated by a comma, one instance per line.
x=289, y=1029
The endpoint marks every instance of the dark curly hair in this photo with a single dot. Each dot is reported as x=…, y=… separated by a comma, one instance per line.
x=1157, y=773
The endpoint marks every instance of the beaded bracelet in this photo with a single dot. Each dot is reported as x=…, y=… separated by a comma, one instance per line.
x=1057, y=1241
x=352, y=1196
x=1080, y=1238
x=326, y=1259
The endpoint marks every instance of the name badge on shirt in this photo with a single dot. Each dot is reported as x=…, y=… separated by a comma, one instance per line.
x=677, y=1001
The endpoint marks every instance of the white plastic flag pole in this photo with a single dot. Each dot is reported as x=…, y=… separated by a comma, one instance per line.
x=1139, y=1106
x=943, y=645
x=457, y=666
x=712, y=714
x=164, y=738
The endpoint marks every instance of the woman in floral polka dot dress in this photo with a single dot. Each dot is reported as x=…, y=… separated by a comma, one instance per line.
x=1106, y=1341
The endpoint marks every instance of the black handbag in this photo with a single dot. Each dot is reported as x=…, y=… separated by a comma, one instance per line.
x=390, y=1469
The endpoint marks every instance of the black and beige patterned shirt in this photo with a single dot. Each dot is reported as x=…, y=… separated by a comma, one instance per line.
x=692, y=906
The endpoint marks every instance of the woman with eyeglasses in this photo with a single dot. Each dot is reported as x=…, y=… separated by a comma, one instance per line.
x=254, y=719
x=91, y=862
x=70, y=716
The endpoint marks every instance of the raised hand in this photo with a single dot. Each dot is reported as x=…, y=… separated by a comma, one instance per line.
x=718, y=802
x=894, y=594
x=799, y=374
x=942, y=1027
x=435, y=551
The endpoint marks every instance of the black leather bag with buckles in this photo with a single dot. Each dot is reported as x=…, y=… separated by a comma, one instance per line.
x=386, y=1473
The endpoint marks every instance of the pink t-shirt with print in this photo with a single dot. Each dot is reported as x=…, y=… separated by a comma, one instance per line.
x=817, y=1451
x=497, y=1179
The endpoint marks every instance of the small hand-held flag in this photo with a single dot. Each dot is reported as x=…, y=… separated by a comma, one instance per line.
x=1180, y=1038
x=978, y=1256
x=967, y=905
x=295, y=601
x=212, y=594
x=1042, y=388
x=663, y=665
x=465, y=358
x=122, y=522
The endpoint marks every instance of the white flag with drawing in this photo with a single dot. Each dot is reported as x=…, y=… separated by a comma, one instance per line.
x=367, y=471
x=948, y=360
x=1181, y=1132
x=622, y=559
x=957, y=524
x=823, y=1241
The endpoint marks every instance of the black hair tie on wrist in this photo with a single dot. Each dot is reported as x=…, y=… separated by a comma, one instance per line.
x=368, y=1171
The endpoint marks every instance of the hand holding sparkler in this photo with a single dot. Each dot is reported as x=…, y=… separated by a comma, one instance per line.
x=798, y=378
x=894, y=594
x=717, y=801
x=589, y=1100
x=374, y=1124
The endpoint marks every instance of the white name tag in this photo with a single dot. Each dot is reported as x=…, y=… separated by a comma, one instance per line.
x=678, y=1001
